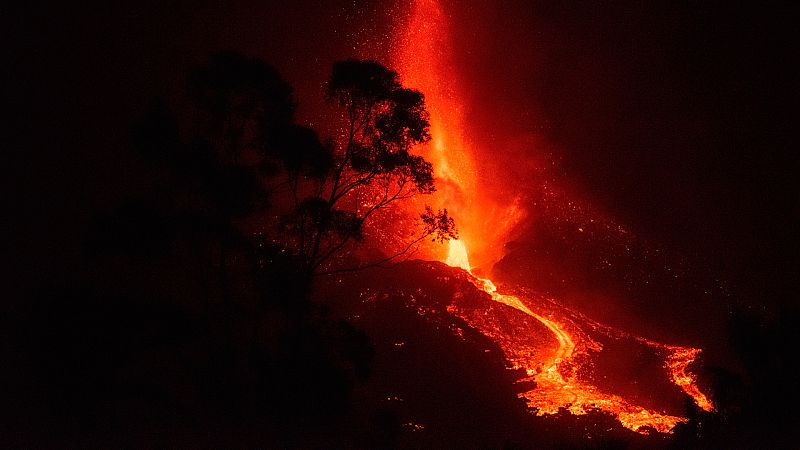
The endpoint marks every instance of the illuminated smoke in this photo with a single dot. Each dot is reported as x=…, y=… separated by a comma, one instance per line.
x=422, y=56
x=457, y=255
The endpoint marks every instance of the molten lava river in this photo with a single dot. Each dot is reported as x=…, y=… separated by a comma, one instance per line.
x=556, y=373
x=553, y=345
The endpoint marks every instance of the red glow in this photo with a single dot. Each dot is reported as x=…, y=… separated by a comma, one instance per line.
x=422, y=56
x=555, y=374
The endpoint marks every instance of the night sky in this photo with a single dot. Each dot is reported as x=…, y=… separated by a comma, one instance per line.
x=676, y=119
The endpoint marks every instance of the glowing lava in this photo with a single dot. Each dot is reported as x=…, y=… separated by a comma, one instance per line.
x=677, y=363
x=422, y=55
x=557, y=385
x=457, y=256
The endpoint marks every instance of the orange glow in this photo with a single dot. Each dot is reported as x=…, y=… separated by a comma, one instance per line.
x=677, y=363
x=422, y=56
x=457, y=255
x=557, y=385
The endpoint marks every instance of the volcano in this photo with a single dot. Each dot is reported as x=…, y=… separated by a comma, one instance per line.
x=558, y=348
x=612, y=188
x=557, y=360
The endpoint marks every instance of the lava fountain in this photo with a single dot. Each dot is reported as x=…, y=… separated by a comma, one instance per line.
x=421, y=53
x=457, y=255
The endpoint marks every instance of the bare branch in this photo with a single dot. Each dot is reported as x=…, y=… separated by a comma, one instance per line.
x=379, y=262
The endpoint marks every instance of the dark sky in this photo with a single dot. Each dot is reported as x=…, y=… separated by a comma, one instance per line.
x=79, y=75
x=678, y=118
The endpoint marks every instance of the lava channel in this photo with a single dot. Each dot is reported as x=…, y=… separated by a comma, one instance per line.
x=557, y=384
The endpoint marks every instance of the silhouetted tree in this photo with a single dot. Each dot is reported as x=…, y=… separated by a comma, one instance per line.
x=177, y=315
x=323, y=193
x=372, y=167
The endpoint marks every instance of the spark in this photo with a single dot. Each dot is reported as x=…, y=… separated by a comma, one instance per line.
x=421, y=53
x=557, y=388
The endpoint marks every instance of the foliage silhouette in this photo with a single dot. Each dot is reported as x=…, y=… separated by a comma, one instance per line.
x=175, y=315
x=181, y=316
x=246, y=123
x=371, y=165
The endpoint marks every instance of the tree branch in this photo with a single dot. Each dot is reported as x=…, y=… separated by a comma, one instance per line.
x=376, y=263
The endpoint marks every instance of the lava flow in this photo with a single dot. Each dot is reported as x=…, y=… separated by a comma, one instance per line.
x=422, y=56
x=557, y=383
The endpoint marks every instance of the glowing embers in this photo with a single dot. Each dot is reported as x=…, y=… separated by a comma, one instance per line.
x=537, y=336
x=554, y=368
